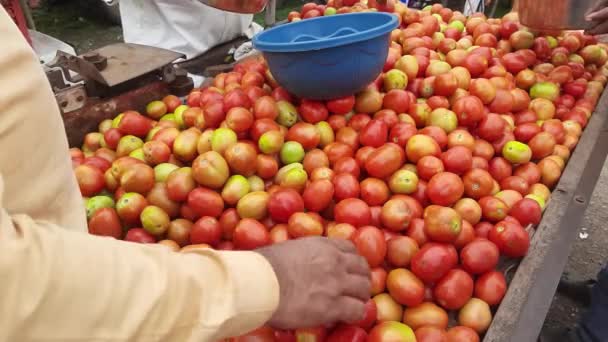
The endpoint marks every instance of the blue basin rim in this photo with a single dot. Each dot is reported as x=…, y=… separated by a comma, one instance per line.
x=329, y=41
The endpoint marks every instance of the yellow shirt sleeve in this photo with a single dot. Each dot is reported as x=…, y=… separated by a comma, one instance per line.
x=59, y=283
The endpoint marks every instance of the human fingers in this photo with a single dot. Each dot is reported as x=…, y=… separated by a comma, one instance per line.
x=348, y=309
x=356, y=264
x=345, y=246
x=357, y=286
x=597, y=14
x=598, y=29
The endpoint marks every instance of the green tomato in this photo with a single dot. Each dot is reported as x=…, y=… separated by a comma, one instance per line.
x=98, y=202
x=138, y=154
x=517, y=152
x=116, y=120
x=223, y=138
x=288, y=114
x=271, y=142
x=162, y=171
x=154, y=220
x=292, y=152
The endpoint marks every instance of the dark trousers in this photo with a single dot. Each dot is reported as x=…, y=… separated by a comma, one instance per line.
x=593, y=326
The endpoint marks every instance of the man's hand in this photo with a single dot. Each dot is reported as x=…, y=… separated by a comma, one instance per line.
x=599, y=16
x=322, y=281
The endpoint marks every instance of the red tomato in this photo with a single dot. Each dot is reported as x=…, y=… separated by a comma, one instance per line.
x=385, y=160
x=428, y=166
x=250, y=234
x=457, y=159
x=445, y=189
x=493, y=209
x=374, y=191
x=417, y=232
x=491, y=127
x=442, y=224
x=105, y=222
x=374, y=133
x=401, y=133
x=318, y=195
x=283, y=203
x=139, y=235
x=396, y=214
x=526, y=211
x=454, y=290
x=478, y=183
x=342, y=105
x=205, y=202
x=353, y=211
x=482, y=229
x=206, y=230
x=313, y=111
x=511, y=238
x=371, y=245
x=479, y=256
x=469, y=110
x=347, y=333
x=462, y=334
x=491, y=287
x=405, y=287
x=433, y=261
x=515, y=183
x=500, y=168
x=371, y=312
x=429, y=333
x=345, y=186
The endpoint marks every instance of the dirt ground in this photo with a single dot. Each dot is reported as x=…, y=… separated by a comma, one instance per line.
x=69, y=22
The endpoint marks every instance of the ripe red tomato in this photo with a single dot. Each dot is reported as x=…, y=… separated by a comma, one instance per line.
x=371, y=245
x=374, y=133
x=445, y=189
x=385, y=160
x=491, y=287
x=342, y=105
x=396, y=214
x=433, y=261
x=526, y=211
x=105, y=222
x=428, y=166
x=206, y=230
x=347, y=333
x=511, y=238
x=353, y=211
x=284, y=203
x=478, y=183
x=454, y=290
x=479, y=256
x=469, y=110
x=345, y=186
x=313, y=111
x=397, y=100
x=139, y=235
x=401, y=132
x=462, y=334
x=205, y=202
x=457, y=159
x=250, y=234
x=405, y=287
x=491, y=127
x=318, y=195
x=442, y=224
x=500, y=168
x=493, y=209
x=374, y=191
x=371, y=312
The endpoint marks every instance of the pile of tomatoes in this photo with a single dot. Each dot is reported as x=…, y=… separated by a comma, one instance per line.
x=435, y=171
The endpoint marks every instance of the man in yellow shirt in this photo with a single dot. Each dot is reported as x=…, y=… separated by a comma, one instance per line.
x=60, y=283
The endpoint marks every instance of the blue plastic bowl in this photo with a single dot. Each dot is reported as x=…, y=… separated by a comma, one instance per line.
x=328, y=57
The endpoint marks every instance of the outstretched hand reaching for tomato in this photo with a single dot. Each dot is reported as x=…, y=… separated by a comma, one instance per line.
x=322, y=281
